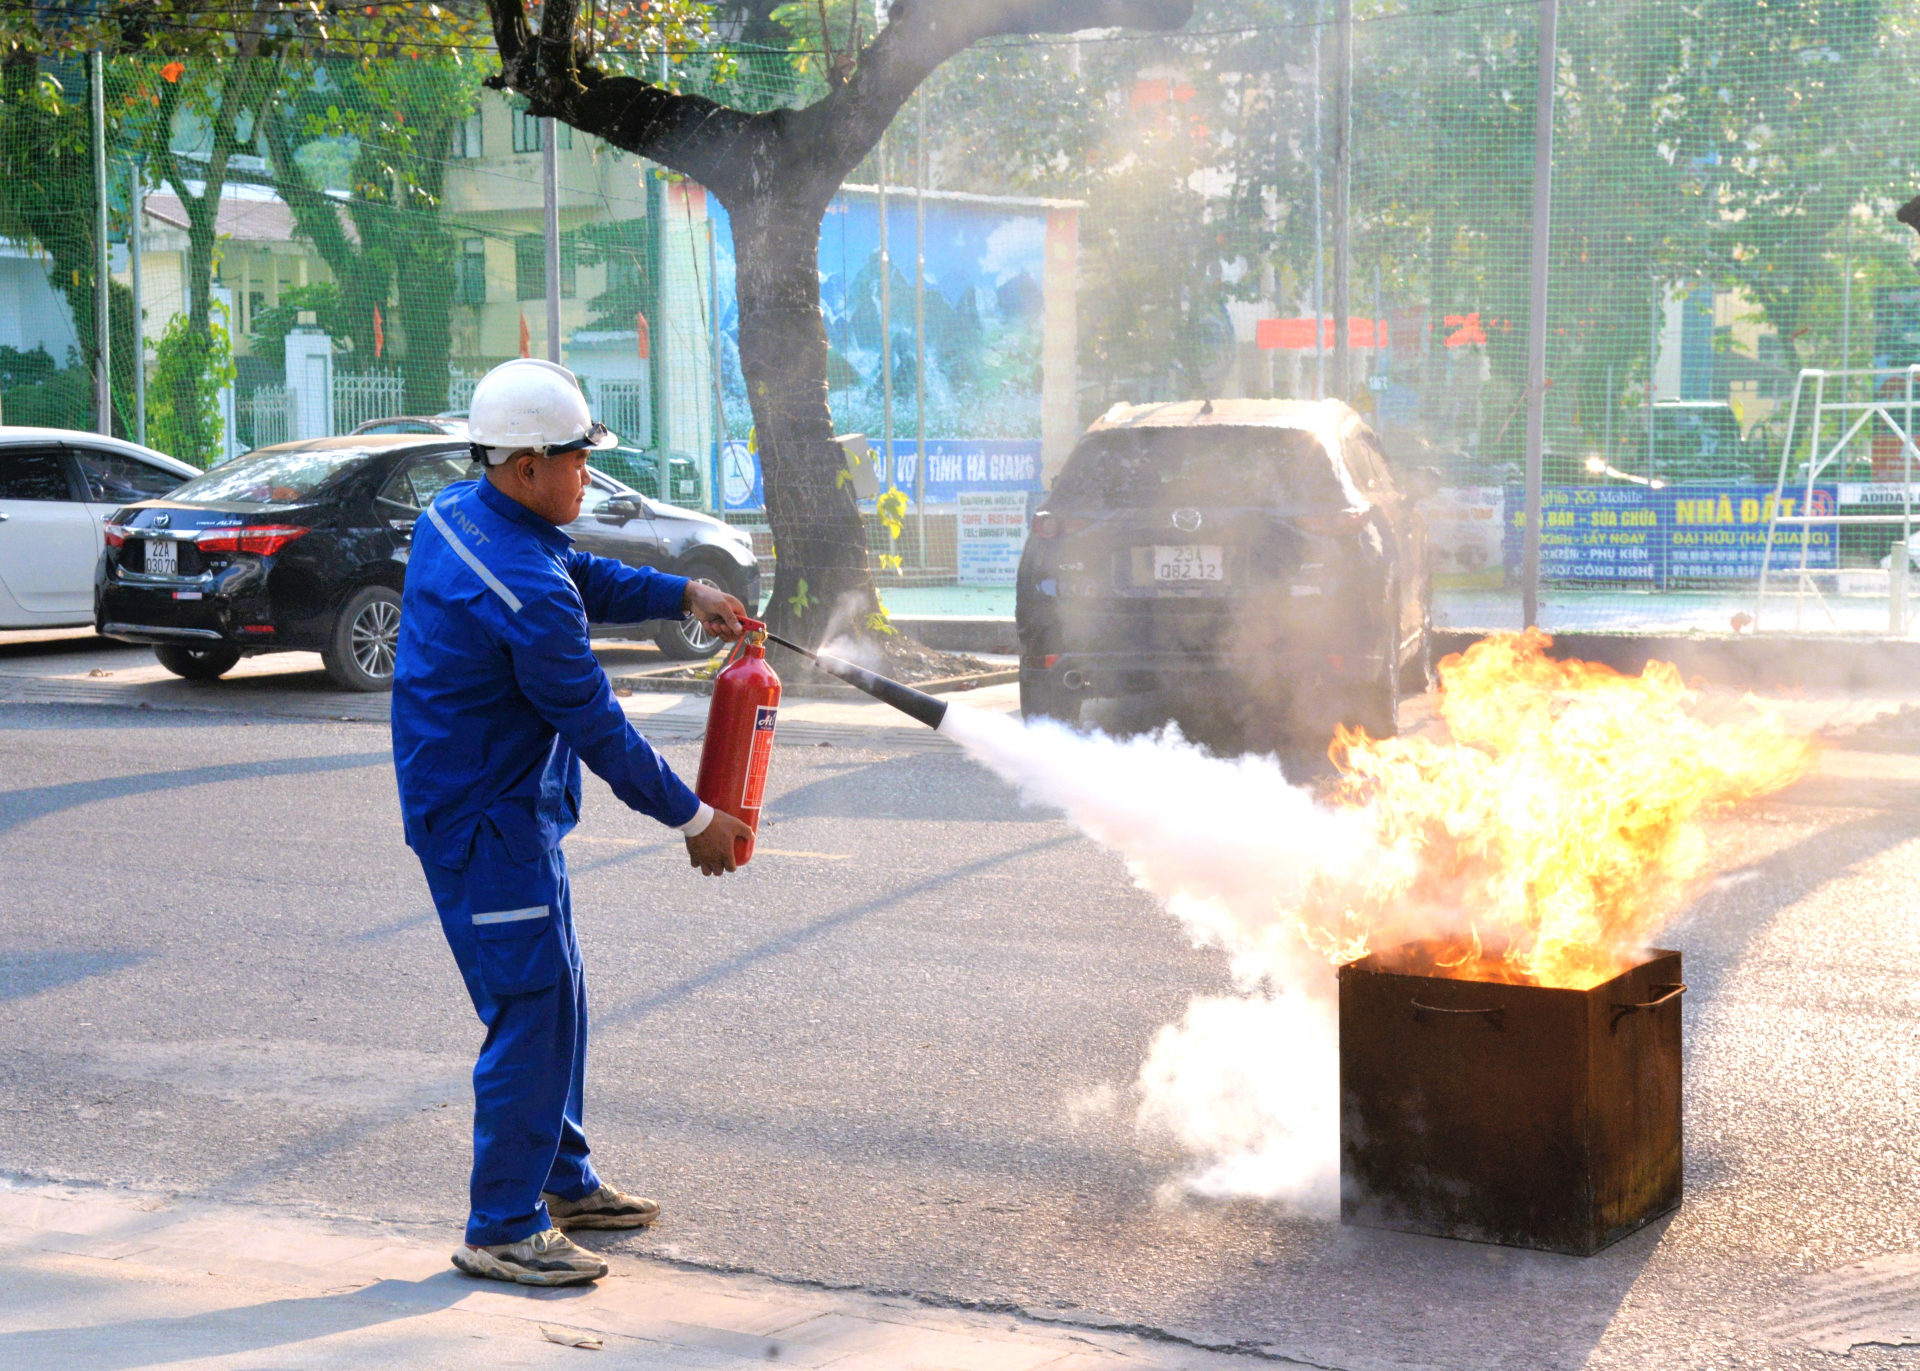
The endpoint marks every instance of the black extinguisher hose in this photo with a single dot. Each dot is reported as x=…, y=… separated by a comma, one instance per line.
x=928, y=709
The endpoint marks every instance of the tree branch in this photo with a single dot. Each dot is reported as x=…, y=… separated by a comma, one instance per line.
x=921, y=34
x=738, y=155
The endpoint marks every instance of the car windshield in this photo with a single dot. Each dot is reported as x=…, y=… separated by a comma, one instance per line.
x=1151, y=468
x=269, y=478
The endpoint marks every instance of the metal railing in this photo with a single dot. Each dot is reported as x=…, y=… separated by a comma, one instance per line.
x=358, y=397
x=624, y=407
x=263, y=416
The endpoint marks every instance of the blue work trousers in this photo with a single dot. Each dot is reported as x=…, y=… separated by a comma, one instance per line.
x=510, y=925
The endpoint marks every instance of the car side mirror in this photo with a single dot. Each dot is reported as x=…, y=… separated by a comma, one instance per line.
x=620, y=509
x=1423, y=483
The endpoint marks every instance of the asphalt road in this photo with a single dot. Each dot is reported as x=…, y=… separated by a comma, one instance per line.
x=857, y=1063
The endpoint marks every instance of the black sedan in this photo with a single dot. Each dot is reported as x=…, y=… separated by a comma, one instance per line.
x=1248, y=559
x=303, y=546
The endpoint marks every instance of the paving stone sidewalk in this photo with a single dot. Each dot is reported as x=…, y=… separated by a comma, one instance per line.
x=98, y=1280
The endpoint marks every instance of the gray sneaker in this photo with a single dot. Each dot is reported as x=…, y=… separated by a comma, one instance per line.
x=604, y=1208
x=548, y=1258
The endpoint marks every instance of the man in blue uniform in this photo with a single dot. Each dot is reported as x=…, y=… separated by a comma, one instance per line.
x=497, y=698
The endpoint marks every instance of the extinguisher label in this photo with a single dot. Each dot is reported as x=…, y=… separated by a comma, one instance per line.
x=762, y=754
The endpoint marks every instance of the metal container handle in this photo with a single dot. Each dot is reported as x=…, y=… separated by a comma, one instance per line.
x=1495, y=1016
x=1673, y=992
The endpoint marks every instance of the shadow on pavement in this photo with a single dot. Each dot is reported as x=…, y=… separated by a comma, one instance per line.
x=234, y=1331
x=14, y=647
x=19, y=807
x=806, y=933
x=29, y=973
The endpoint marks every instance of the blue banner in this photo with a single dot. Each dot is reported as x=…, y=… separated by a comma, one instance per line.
x=954, y=465
x=1635, y=534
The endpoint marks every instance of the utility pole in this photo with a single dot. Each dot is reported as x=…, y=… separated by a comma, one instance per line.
x=656, y=181
x=1342, y=195
x=886, y=320
x=1319, y=229
x=102, y=273
x=716, y=496
x=1846, y=312
x=920, y=330
x=550, y=202
x=1537, y=305
x=136, y=204
x=1653, y=358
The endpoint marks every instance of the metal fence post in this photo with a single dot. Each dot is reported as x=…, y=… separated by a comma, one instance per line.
x=550, y=197
x=1342, y=198
x=103, y=276
x=1537, y=306
x=136, y=206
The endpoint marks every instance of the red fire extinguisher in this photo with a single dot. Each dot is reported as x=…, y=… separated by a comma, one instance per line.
x=739, y=743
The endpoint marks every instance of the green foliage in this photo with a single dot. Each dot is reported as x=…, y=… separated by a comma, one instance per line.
x=880, y=621
x=891, y=508
x=55, y=398
x=191, y=368
x=621, y=246
x=800, y=601
x=272, y=325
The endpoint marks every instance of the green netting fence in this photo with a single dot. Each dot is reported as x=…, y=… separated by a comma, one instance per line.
x=1054, y=225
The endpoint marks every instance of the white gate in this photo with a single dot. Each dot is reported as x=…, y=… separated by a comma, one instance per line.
x=460, y=391
x=366, y=395
x=624, y=407
x=263, y=417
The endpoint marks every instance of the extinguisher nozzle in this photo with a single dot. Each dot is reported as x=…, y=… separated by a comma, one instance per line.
x=928, y=709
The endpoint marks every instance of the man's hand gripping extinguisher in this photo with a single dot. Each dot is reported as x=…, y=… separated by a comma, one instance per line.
x=739, y=742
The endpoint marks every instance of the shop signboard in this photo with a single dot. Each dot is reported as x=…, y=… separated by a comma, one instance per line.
x=992, y=532
x=1634, y=534
x=955, y=466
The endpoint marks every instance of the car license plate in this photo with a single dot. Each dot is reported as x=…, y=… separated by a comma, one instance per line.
x=1188, y=562
x=163, y=557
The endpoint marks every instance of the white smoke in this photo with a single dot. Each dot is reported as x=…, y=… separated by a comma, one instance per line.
x=1248, y=1085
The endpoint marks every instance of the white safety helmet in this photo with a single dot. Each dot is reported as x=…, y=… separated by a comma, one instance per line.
x=529, y=403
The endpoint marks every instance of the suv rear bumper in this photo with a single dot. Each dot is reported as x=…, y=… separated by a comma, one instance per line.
x=1119, y=674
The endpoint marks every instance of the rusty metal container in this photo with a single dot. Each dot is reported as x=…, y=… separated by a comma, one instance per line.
x=1513, y=1114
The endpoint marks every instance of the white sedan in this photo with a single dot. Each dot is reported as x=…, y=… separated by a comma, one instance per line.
x=57, y=488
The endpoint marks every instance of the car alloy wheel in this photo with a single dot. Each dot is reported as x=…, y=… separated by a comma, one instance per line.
x=364, y=640
x=685, y=639
x=376, y=637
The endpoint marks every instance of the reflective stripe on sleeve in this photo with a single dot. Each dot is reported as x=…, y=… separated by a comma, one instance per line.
x=511, y=916
x=479, y=567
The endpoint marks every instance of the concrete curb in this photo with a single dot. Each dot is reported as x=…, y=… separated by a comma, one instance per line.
x=1748, y=661
x=1810, y=660
x=962, y=635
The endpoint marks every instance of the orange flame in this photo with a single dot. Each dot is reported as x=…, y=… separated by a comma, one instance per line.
x=1556, y=831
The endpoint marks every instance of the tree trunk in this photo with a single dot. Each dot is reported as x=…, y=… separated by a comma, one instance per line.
x=823, y=584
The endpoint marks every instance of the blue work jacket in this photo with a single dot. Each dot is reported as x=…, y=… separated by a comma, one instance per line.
x=496, y=692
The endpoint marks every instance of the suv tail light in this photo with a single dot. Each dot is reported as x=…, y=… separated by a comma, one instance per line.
x=1330, y=525
x=264, y=539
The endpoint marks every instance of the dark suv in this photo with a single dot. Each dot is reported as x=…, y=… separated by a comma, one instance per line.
x=1253, y=558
